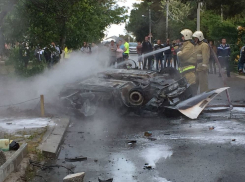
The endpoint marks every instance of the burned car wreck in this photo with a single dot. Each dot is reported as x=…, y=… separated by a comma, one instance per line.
x=133, y=90
x=126, y=90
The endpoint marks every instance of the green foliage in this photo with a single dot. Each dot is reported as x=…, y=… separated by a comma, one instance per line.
x=69, y=22
x=34, y=67
x=139, y=19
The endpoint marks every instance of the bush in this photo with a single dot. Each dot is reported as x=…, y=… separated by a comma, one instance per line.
x=33, y=67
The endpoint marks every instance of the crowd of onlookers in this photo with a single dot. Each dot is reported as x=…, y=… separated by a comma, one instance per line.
x=150, y=56
x=168, y=58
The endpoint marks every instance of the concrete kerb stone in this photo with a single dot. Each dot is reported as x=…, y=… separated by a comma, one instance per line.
x=13, y=162
x=51, y=146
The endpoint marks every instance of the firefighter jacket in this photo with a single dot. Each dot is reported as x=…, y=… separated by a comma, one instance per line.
x=187, y=54
x=202, y=51
x=187, y=60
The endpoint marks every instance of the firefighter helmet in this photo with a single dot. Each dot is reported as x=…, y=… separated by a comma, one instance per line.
x=187, y=34
x=199, y=35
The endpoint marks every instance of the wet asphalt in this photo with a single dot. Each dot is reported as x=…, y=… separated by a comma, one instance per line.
x=209, y=149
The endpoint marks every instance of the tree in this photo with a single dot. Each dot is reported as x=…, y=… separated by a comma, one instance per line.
x=69, y=22
x=5, y=7
x=139, y=19
x=177, y=11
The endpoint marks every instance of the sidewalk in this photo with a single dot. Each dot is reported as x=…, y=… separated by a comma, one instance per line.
x=237, y=87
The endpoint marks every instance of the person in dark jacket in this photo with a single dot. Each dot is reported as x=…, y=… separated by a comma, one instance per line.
x=241, y=63
x=223, y=53
x=159, y=56
x=146, y=48
x=167, y=54
x=212, y=67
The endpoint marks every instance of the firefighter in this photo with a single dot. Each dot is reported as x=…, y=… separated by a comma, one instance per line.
x=187, y=59
x=202, y=51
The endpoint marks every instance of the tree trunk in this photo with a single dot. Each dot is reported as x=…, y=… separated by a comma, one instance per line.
x=63, y=35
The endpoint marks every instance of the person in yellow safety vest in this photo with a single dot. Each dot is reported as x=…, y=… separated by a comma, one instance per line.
x=126, y=52
x=67, y=53
x=187, y=59
x=203, y=54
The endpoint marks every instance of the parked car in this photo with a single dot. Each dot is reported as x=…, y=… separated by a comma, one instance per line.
x=133, y=47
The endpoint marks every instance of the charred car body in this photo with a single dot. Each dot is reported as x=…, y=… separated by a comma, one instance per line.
x=125, y=90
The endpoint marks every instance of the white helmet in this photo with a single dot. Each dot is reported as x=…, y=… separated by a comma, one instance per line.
x=199, y=35
x=187, y=34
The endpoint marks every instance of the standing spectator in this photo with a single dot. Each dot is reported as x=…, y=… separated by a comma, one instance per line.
x=55, y=53
x=241, y=63
x=212, y=67
x=174, y=53
x=47, y=55
x=25, y=53
x=112, y=50
x=84, y=47
x=224, y=53
x=126, y=52
x=146, y=48
x=139, y=52
x=67, y=53
x=167, y=54
x=120, y=51
x=178, y=47
x=159, y=56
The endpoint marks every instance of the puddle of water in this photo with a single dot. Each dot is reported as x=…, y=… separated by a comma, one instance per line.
x=153, y=154
x=122, y=169
x=13, y=125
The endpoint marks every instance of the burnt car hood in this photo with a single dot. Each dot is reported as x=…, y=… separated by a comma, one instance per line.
x=194, y=106
x=120, y=73
x=101, y=84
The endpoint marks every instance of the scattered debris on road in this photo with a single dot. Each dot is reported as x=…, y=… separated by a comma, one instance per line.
x=147, y=166
x=76, y=159
x=148, y=133
x=132, y=142
x=152, y=139
x=108, y=180
x=78, y=177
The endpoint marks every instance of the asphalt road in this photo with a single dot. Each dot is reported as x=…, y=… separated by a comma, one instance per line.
x=209, y=149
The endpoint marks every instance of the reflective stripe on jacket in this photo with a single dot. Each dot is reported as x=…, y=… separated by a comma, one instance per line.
x=187, y=68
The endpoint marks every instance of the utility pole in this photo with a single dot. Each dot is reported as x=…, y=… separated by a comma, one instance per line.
x=198, y=15
x=150, y=24
x=167, y=14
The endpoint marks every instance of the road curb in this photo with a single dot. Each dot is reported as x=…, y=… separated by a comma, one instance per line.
x=51, y=146
x=13, y=162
